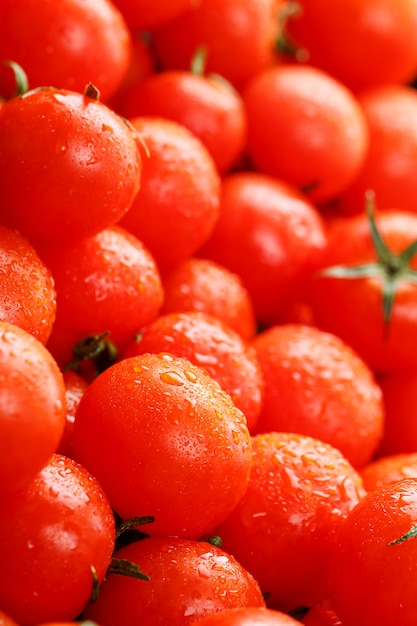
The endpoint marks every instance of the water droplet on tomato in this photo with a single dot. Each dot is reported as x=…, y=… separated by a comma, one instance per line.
x=171, y=378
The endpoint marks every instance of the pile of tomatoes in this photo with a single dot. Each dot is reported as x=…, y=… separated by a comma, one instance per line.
x=208, y=312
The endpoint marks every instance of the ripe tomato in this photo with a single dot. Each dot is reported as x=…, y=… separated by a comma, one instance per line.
x=247, y=616
x=27, y=294
x=320, y=615
x=150, y=14
x=283, y=529
x=369, y=559
x=188, y=579
x=209, y=343
x=177, y=206
x=81, y=173
x=361, y=42
x=52, y=533
x=66, y=44
x=317, y=385
x=389, y=469
x=306, y=128
x=400, y=399
x=106, y=283
x=239, y=37
x=32, y=407
x=270, y=235
x=389, y=166
x=203, y=285
x=180, y=450
x=371, y=286
x=206, y=105
x=5, y=620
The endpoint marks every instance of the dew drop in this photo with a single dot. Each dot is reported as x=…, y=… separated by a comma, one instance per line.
x=172, y=378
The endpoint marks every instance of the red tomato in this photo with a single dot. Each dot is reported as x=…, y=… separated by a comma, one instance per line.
x=177, y=206
x=375, y=308
x=188, y=579
x=32, y=407
x=209, y=343
x=390, y=164
x=65, y=44
x=283, y=529
x=389, y=469
x=239, y=37
x=106, y=283
x=369, y=559
x=321, y=616
x=248, y=616
x=5, y=620
x=81, y=173
x=400, y=399
x=206, y=105
x=149, y=14
x=75, y=386
x=27, y=294
x=52, y=533
x=361, y=42
x=306, y=128
x=315, y=384
x=172, y=443
x=270, y=235
x=204, y=285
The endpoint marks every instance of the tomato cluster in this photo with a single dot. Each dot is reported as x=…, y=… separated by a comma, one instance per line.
x=208, y=312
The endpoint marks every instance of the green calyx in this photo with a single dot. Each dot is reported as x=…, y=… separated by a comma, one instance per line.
x=411, y=534
x=391, y=268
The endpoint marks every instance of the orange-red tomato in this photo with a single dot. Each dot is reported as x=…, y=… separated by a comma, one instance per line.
x=306, y=128
x=389, y=469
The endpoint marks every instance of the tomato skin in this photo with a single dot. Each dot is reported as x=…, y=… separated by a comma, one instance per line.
x=180, y=450
x=148, y=14
x=199, y=284
x=250, y=616
x=358, y=301
x=364, y=566
x=177, y=206
x=400, y=398
x=208, y=106
x=317, y=385
x=51, y=533
x=212, y=345
x=305, y=128
x=362, y=43
x=90, y=156
x=269, y=234
x=282, y=530
x=77, y=42
x=249, y=29
x=188, y=579
x=32, y=407
x=106, y=283
x=27, y=292
x=388, y=469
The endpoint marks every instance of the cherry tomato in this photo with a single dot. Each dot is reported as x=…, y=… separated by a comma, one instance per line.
x=172, y=444
x=371, y=286
x=388, y=469
x=203, y=285
x=317, y=385
x=106, y=283
x=177, y=206
x=306, y=128
x=28, y=297
x=284, y=527
x=239, y=37
x=81, y=173
x=361, y=42
x=188, y=579
x=400, y=399
x=52, y=533
x=209, y=343
x=206, y=105
x=75, y=386
x=270, y=235
x=373, y=558
x=65, y=44
x=388, y=169
x=320, y=615
x=32, y=407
